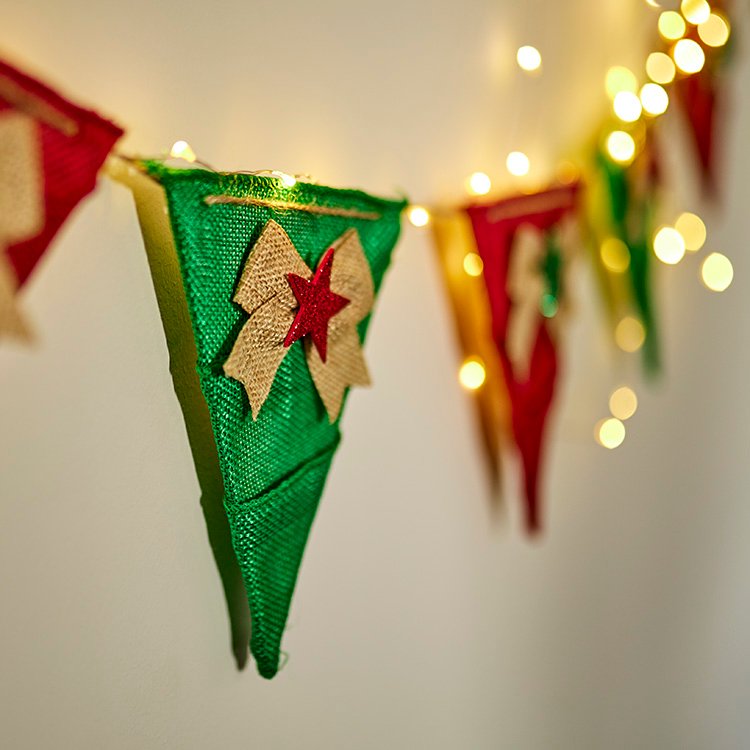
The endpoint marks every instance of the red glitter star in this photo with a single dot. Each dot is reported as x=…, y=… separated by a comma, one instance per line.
x=317, y=305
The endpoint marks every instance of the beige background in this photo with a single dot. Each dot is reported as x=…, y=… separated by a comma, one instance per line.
x=416, y=624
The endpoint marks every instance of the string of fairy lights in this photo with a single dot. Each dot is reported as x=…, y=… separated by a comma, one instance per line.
x=633, y=104
x=635, y=100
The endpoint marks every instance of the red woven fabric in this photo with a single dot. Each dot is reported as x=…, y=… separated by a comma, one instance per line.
x=71, y=160
x=495, y=227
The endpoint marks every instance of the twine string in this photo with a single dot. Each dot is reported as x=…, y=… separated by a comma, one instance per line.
x=313, y=208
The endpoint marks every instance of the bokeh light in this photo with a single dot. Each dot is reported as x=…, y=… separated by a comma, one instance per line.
x=693, y=231
x=472, y=374
x=688, y=56
x=621, y=146
x=615, y=255
x=695, y=11
x=473, y=265
x=619, y=79
x=627, y=106
x=479, y=183
x=623, y=403
x=630, y=334
x=715, y=31
x=671, y=25
x=529, y=58
x=654, y=99
x=610, y=433
x=660, y=68
x=669, y=246
x=717, y=272
x=419, y=216
x=517, y=163
x=567, y=172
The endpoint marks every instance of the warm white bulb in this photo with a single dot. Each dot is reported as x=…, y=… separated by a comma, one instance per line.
x=472, y=374
x=715, y=31
x=695, y=11
x=717, y=272
x=660, y=67
x=528, y=58
x=671, y=25
x=693, y=231
x=654, y=99
x=630, y=334
x=621, y=146
x=619, y=79
x=688, y=56
x=627, y=106
x=610, y=433
x=615, y=255
x=623, y=403
x=479, y=183
x=518, y=163
x=419, y=216
x=669, y=246
x=473, y=264
x=182, y=150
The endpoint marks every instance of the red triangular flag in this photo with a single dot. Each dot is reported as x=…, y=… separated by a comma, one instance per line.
x=524, y=301
x=50, y=153
x=698, y=96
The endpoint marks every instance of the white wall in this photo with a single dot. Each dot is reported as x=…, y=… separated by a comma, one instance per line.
x=416, y=623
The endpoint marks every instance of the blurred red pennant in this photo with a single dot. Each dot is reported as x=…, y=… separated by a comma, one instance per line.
x=530, y=386
x=50, y=153
x=698, y=96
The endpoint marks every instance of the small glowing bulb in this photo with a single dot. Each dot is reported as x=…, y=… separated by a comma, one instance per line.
x=654, y=99
x=287, y=180
x=615, y=255
x=688, y=56
x=693, y=231
x=528, y=58
x=419, y=216
x=695, y=11
x=669, y=246
x=623, y=403
x=653, y=3
x=610, y=433
x=715, y=31
x=627, y=106
x=472, y=374
x=630, y=334
x=567, y=172
x=620, y=79
x=621, y=146
x=473, y=265
x=479, y=183
x=717, y=272
x=672, y=25
x=182, y=150
x=660, y=68
x=518, y=163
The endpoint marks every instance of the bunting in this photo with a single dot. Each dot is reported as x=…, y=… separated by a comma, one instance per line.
x=50, y=153
x=276, y=347
x=520, y=243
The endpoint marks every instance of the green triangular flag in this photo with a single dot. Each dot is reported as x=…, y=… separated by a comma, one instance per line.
x=631, y=193
x=239, y=239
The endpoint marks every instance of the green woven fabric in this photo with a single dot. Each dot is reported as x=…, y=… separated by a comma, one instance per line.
x=274, y=469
